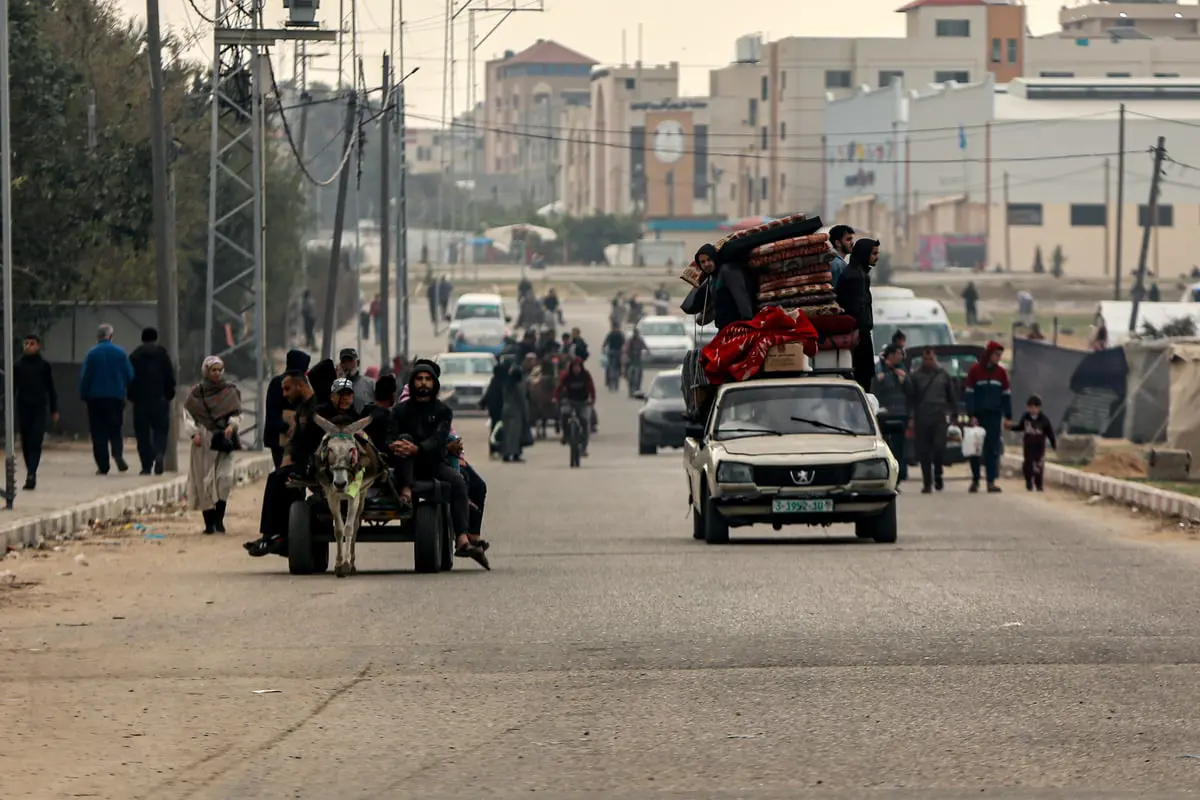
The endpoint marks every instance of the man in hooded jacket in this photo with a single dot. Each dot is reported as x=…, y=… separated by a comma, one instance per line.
x=989, y=401
x=419, y=429
x=854, y=296
x=931, y=397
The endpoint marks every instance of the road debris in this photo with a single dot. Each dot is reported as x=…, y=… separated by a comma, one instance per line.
x=268, y=691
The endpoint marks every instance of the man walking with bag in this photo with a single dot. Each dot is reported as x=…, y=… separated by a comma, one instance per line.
x=931, y=397
x=151, y=392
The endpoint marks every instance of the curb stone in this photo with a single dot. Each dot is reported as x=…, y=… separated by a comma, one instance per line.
x=76, y=518
x=1150, y=498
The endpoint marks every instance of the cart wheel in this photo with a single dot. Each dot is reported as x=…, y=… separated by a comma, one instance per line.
x=428, y=536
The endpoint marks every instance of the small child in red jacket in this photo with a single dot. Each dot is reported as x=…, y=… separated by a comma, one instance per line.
x=1036, y=431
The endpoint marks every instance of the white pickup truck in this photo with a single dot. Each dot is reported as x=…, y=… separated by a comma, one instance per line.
x=790, y=451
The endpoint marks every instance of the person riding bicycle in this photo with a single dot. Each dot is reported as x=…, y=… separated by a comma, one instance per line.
x=612, y=347
x=576, y=393
x=634, y=349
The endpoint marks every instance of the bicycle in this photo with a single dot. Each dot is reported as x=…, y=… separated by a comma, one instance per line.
x=573, y=433
x=612, y=373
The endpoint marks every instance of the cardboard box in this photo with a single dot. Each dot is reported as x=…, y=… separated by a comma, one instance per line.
x=786, y=358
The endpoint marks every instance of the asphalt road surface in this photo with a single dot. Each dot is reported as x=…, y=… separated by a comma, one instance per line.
x=1013, y=645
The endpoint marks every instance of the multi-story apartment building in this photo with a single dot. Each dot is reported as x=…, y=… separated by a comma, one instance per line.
x=525, y=95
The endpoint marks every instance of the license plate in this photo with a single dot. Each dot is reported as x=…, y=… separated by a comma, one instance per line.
x=801, y=506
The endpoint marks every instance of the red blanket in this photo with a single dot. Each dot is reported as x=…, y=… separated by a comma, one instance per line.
x=738, y=351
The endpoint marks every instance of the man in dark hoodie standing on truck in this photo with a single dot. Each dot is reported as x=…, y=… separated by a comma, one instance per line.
x=989, y=400
x=151, y=392
x=34, y=385
x=854, y=296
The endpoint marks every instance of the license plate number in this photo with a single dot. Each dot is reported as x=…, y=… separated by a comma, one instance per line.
x=801, y=506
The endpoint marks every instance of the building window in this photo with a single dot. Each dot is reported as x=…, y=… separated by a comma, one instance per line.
x=1056, y=74
x=733, y=191
x=1124, y=22
x=837, y=79
x=953, y=28
x=948, y=75
x=516, y=103
x=764, y=188
x=765, y=136
x=1089, y=215
x=782, y=130
x=997, y=51
x=889, y=76
x=752, y=112
x=1166, y=74
x=766, y=89
x=1025, y=214
x=1118, y=75
x=1166, y=216
x=1012, y=51
x=782, y=182
x=782, y=81
x=630, y=83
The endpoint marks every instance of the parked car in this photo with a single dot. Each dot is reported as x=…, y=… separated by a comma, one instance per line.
x=660, y=419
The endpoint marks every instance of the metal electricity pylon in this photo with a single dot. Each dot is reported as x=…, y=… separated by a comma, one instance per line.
x=235, y=317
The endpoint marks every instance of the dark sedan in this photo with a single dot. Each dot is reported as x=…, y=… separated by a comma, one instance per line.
x=660, y=420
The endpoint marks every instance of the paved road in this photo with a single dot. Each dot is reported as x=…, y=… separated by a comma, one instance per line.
x=1023, y=646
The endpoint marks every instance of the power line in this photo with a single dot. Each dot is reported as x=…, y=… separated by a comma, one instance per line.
x=287, y=130
x=769, y=156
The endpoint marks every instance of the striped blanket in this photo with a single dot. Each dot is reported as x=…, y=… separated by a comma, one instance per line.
x=775, y=283
x=777, y=255
x=779, y=295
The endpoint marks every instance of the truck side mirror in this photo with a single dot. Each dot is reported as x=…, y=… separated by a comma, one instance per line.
x=694, y=432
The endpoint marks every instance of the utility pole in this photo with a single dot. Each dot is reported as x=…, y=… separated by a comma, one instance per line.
x=385, y=126
x=1120, y=204
x=1007, y=230
x=335, y=255
x=164, y=222
x=402, y=305
x=10, y=424
x=1139, y=289
x=1107, y=215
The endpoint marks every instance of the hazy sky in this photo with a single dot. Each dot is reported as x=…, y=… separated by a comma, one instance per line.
x=699, y=34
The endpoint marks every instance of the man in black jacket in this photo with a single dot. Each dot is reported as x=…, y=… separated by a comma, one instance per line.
x=419, y=431
x=34, y=385
x=151, y=392
x=854, y=296
x=279, y=411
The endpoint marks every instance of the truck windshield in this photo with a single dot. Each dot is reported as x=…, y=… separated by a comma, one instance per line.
x=800, y=408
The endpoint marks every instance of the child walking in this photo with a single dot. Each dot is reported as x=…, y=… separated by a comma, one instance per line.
x=1036, y=432
x=972, y=449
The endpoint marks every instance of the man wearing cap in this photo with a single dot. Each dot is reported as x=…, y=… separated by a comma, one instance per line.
x=364, y=387
x=420, y=430
x=104, y=386
x=151, y=392
x=34, y=385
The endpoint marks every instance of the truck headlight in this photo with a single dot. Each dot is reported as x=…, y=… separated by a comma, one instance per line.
x=875, y=470
x=732, y=472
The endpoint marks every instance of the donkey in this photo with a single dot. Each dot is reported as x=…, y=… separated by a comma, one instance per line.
x=346, y=467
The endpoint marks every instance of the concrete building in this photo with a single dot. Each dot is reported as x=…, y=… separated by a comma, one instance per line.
x=962, y=175
x=525, y=95
x=783, y=85
x=613, y=89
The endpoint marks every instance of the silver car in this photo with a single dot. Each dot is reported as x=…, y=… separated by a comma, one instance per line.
x=465, y=378
x=667, y=339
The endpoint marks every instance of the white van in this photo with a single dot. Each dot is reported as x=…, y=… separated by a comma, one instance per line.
x=478, y=306
x=922, y=319
x=891, y=292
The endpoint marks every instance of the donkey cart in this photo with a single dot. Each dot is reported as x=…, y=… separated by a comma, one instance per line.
x=310, y=528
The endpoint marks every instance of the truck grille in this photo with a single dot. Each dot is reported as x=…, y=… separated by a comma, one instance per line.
x=826, y=475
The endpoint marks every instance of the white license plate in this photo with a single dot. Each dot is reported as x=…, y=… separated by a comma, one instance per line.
x=801, y=506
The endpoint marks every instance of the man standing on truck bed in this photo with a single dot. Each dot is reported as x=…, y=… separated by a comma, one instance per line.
x=989, y=400
x=854, y=296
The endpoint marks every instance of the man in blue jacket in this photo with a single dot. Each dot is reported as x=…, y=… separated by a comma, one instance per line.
x=103, y=386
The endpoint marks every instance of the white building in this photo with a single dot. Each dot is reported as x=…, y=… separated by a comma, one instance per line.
x=991, y=174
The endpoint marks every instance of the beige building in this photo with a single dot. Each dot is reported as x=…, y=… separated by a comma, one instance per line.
x=525, y=95
x=962, y=175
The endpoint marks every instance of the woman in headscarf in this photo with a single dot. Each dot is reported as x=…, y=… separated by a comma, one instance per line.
x=213, y=413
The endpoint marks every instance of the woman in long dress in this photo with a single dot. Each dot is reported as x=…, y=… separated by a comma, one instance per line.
x=213, y=411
